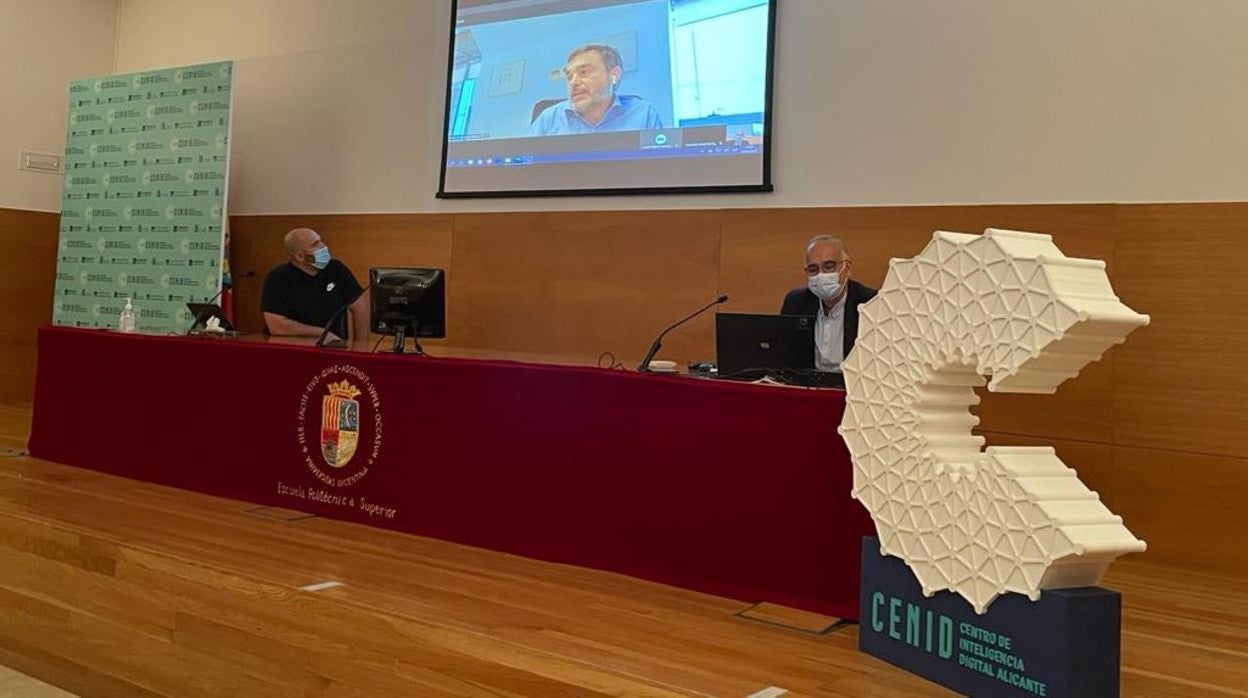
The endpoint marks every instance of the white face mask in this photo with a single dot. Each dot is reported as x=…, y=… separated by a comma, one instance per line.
x=825, y=285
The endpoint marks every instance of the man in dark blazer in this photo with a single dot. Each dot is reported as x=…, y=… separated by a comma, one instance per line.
x=832, y=298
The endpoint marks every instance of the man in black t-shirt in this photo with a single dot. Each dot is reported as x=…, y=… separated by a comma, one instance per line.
x=303, y=293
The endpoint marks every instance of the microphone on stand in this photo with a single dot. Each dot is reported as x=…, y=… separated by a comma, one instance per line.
x=658, y=341
x=320, y=341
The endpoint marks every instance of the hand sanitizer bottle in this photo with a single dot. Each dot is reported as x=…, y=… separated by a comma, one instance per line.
x=127, y=320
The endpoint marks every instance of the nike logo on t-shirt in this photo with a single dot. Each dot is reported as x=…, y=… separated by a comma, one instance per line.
x=330, y=287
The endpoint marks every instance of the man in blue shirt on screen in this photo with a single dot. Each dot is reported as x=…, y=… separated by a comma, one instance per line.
x=593, y=72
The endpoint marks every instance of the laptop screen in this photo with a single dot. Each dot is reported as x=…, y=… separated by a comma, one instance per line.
x=746, y=343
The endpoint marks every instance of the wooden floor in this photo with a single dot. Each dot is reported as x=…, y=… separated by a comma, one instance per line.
x=15, y=685
x=110, y=587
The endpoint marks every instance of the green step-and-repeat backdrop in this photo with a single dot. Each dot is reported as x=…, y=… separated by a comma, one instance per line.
x=143, y=213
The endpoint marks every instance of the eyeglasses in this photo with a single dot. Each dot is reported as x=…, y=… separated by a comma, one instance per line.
x=829, y=267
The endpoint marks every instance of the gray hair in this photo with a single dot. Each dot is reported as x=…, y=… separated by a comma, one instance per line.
x=820, y=239
x=610, y=57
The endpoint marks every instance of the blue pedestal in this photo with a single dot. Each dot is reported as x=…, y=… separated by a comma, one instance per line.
x=1065, y=644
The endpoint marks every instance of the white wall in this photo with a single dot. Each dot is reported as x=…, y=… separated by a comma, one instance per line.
x=339, y=102
x=43, y=46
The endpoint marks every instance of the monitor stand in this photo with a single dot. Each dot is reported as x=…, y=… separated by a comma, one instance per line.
x=400, y=341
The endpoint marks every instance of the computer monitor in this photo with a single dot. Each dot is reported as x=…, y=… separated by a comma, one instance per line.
x=747, y=347
x=408, y=303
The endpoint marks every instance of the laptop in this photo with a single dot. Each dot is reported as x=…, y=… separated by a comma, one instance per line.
x=746, y=343
x=201, y=312
x=749, y=347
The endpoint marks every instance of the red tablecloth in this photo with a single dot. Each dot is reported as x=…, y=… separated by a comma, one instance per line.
x=736, y=490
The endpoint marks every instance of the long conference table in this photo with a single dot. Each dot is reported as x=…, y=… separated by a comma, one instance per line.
x=733, y=489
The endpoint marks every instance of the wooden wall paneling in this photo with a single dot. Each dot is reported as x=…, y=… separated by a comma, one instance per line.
x=1079, y=410
x=581, y=283
x=255, y=247
x=1182, y=383
x=27, y=277
x=1093, y=461
x=360, y=241
x=762, y=258
x=762, y=250
x=1189, y=508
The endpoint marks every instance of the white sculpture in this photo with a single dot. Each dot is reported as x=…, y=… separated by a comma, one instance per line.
x=1008, y=305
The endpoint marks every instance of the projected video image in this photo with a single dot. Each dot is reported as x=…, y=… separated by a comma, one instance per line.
x=552, y=96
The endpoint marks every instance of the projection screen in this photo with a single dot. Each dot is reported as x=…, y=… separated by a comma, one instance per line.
x=559, y=97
